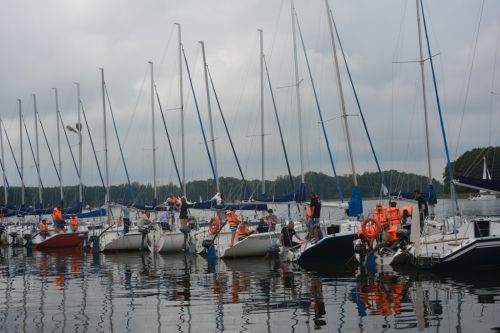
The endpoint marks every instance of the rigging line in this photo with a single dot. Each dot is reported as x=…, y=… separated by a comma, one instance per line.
x=227, y=132
x=48, y=146
x=443, y=131
x=330, y=154
x=69, y=145
x=12, y=151
x=357, y=101
x=3, y=169
x=31, y=148
x=279, y=129
x=93, y=147
x=469, y=78
x=168, y=138
x=199, y=116
x=130, y=189
x=493, y=81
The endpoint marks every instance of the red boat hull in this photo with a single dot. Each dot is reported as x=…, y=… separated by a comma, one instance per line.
x=66, y=240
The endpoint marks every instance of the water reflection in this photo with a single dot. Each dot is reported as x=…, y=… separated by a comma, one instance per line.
x=84, y=292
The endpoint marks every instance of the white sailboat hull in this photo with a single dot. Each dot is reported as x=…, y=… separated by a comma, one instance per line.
x=253, y=245
x=117, y=241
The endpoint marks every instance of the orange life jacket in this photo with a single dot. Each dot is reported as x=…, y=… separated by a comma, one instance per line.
x=390, y=234
x=43, y=227
x=408, y=208
x=393, y=215
x=57, y=215
x=172, y=198
x=380, y=215
x=74, y=221
x=232, y=218
x=308, y=212
x=243, y=231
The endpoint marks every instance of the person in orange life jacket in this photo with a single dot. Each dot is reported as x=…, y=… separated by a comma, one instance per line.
x=244, y=231
x=58, y=220
x=233, y=221
x=380, y=214
x=43, y=228
x=390, y=235
x=393, y=213
x=74, y=223
x=315, y=205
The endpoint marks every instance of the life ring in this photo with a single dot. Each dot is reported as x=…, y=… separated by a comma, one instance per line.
x=214, y=225
x=373, y=232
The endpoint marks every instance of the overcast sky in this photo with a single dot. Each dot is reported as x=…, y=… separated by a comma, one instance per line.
x=48, y=44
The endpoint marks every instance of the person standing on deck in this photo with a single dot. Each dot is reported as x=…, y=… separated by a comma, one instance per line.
x=126, y=219
x=423, y=208
x=272, y=220
x=315, y=205
x=183, y=218
x=233, y=221
x=58, y=220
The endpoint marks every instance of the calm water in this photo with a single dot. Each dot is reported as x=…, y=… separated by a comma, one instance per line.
x=134, y=292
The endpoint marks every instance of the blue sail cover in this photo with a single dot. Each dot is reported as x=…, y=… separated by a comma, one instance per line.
x=429, y=195
x=355, y=203
x=211, y=204
x=93, y=213
x=492, y=185
x=21, y=210
x=299, y=195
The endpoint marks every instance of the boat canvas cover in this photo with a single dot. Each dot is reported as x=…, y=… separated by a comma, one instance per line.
x=93, y=213
x=429, y=195
x=355, y=203
x=491, y=185
x=212, y=204
x=299, y=195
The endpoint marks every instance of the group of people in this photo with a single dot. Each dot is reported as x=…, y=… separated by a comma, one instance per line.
x=58, y=223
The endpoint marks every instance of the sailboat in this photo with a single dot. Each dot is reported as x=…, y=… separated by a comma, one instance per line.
x=484, y=195
x=337, y=245
x=462, y=243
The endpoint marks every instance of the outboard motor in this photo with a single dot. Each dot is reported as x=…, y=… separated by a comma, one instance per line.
x=29, y=243
x=207, y=243
x=273, y=250
x=84, y=237
x=360, y=249
x=144, y=231
x=95, y=243
x=14, y=235
x=403, y=237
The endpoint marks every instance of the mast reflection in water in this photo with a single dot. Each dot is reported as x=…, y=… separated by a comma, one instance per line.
x=134, y=292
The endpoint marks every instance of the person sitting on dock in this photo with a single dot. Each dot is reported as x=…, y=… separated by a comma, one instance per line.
x=244, y=231
x=287, y=234
x=74, y=223
x=58, y=220
x=43, y=228
x=233, y=221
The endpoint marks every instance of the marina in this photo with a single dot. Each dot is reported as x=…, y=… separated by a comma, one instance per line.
x=263, y=166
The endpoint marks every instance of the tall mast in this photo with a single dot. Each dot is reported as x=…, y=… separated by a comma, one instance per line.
x=182, y=111
x=22, y=158
x=297, y=90
x=35, y=111
x=421, y=51
x=79, y=129
x=153, y=129
x=105, y=137
x=261, y=55
x=341, y=95
x=212, y=139
x=59, y=147
x=5, y=192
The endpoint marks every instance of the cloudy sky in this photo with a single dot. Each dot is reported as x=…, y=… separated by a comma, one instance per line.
x=54, y=43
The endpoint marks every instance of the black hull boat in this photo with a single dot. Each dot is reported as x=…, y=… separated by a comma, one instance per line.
x=332, y=249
